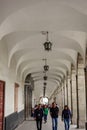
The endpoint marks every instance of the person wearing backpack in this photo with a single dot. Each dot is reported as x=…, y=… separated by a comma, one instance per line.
x=38, y=117
x=66, y=117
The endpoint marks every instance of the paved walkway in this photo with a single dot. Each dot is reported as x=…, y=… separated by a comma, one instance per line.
x=31, y=125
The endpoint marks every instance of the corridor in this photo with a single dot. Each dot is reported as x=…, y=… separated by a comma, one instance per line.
x=31, y=125
x=43, y=59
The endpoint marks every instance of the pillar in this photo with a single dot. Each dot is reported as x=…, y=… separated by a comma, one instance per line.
x=69, y=93
x=77, y=99
x=74, y=102
x=67, y=90
x=62, y=96
x=85, y=71
x=71, y=98
x=64, y=93
x=81, y=95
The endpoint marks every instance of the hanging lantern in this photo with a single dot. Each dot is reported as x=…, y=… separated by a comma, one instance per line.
x=46, y=67
x=45, y=83
x=45, y=77
x=47, y=44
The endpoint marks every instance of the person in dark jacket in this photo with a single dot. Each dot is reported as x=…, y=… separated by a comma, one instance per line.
x=66, y=116
x=54, y=110
x=38, y=117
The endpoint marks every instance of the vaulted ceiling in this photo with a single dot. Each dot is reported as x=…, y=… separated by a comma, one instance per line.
x=21, y=25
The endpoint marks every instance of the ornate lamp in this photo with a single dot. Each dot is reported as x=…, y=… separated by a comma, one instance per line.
x=45, y=77
x=47, y=44
x=46, y=67
x=45, y=83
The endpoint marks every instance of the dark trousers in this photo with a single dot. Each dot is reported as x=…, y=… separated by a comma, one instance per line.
x=45, y=117
x=39, y=124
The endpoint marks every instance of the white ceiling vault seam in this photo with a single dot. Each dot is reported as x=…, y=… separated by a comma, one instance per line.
x=21, y=26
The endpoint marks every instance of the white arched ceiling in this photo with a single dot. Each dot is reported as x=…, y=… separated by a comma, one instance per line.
x=24, y=19
x=64, y=55
x=60, y=42
x=55, y=70
x=50, y=75
x=49, y=88
x=40, y=65
x=21, y=24
x=52, y=72
x=63, y=63
x=50, y=79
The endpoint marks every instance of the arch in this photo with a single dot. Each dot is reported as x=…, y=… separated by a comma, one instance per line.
x=63, y=43
x=64, y=63
x=53, y=69
x=70, y=13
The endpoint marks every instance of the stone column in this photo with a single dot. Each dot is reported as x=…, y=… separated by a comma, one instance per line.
x=77, y=99
x=85, y=70
x=33, y=99
x=81, y=95
x=64, y=93
x=59, y=100
x=69, y=93
x=67, y=90
x=71, y=98
x=74, y=103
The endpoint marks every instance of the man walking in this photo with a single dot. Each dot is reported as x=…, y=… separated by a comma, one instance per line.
x=38, y=117
x=54, y=110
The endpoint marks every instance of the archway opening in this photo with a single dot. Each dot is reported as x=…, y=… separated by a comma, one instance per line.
x=44, y=100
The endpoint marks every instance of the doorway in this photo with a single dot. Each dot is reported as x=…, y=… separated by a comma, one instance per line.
x=2, y=101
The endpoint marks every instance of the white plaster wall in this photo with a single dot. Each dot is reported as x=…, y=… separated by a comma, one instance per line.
x=8, y=75
x=20, y=97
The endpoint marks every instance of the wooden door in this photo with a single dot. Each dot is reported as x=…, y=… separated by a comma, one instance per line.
x=2, y=97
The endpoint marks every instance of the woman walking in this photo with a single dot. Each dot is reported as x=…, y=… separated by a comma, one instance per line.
x=66, y=116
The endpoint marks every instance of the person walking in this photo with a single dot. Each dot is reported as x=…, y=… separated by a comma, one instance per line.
x=66, y=116
x=45, y=112
x=54, y=110
x=38, y=115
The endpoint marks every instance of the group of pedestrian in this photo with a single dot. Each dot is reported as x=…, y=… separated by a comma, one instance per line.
x=41, y=113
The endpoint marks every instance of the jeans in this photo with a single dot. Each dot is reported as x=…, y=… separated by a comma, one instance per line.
x=45, y=117
x=54, y=123
x=67, y=124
